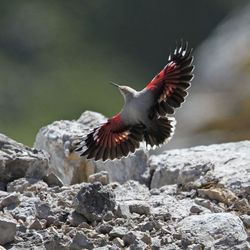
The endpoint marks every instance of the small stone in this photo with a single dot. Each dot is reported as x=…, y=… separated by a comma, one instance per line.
x=246, y=220
x=20, y=185
x=75, y=219
x=11, y=200
x=129, y=238
x=146, y=239
x=108, y=216
x=146, y=226
x=156, y=243
x=84, y=225
x=42, y=210
x=155, y=191
x=102, y=177
x=53, y=180
x=139, y=208
x=123, y=211
x=138, y=245
x=219, y=194
x=104, y=228
x=8, y=230
x=195, y=247
x=118, y=232
x=36, y=224
x=93, y=201
x=195, y=209
x=81, y=241
x=50, y=220
x=118, y=242
x=204, y=203
x=37, y=186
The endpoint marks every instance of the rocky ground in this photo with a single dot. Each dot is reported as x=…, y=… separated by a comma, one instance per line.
x=196, y=198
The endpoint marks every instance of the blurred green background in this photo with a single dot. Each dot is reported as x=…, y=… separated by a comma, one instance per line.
x=57, y=57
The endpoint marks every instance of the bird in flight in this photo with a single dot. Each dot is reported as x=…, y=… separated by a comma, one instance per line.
x=144, y=116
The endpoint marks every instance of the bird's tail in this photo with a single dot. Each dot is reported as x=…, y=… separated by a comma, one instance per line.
x=161, y=131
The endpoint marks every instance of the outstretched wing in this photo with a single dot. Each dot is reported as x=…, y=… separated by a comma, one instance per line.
x=170, y=85
x=111, y=140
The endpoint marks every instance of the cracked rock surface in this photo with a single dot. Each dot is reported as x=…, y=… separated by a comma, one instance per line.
x=194, y=199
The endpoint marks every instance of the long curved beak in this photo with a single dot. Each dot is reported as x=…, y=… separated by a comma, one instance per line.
x=115, y=84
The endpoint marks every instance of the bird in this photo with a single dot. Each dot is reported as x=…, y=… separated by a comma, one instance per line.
x=145, y=114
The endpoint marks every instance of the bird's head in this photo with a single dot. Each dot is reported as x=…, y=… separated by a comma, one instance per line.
x=127, y=92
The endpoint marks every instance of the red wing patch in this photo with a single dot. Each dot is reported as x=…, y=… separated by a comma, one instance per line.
x=111, y=140
x=170, y=85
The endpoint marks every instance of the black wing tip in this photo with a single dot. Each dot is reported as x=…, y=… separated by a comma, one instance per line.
x=181, y=51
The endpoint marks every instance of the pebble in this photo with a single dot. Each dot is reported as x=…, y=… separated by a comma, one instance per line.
x=118, y=232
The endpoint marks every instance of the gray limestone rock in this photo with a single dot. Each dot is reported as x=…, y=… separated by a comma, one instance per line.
x=118, y=232
x=227, y=163
x=75, y=219
x=7, y=229
x=10, y=201
x=23, y=184
x=93, y=201
x=246, y=220
x=58, y=139
x=17, y=161
x=139, y=207
x=216, y=230
x=53, y=180
x=80, y=241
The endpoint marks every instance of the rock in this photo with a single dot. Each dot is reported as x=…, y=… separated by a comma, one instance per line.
x=196, y=209
x=133, y=167
x=102, y=177
x=26, y=208
x=43, y=210
x=36, y=224
x=58, y=139
x=139, y=207
x=118, y=242
x=118, y=232
x=211, y=230
x=75, y=219
x=218, y=194
x=93, y=201
x=129, y=238
x=80, y=241
x=10, y=201
x=22, y=184
x=146, y=226
x=123, y=211
x=246, y=220
x=138, y=245
x=8, y=230
x=195, y=247
x=228, y=163
x=53, y=180
x=156, y=243
x=17, y=161
x=104, y=228
x=108, y=216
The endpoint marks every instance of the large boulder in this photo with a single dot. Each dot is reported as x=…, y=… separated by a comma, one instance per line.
x=218, y=230
x=57, y=139
x=17, y=161
x=228, y=164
